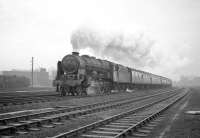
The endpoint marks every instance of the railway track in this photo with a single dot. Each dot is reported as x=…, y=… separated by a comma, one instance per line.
x=127, y=123
x=31, y=122
x=18, y=100
x=12, y=99
x=15, y=99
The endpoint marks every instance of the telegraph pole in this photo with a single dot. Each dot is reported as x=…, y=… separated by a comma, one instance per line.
x=32, y=72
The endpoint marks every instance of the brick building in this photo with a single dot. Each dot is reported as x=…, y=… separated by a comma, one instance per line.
x=40, y=77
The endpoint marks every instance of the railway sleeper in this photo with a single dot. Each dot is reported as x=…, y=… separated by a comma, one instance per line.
x=110, y=129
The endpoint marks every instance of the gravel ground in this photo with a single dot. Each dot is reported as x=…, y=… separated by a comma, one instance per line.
x=177, y=123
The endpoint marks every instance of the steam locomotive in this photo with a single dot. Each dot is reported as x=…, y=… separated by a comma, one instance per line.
x=76, y=73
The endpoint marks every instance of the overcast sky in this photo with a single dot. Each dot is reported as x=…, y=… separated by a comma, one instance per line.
x=42, y=29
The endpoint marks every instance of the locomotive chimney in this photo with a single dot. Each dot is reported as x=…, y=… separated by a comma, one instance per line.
x=75, y=53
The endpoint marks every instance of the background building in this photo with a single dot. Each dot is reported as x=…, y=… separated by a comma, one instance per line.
x=40, y=77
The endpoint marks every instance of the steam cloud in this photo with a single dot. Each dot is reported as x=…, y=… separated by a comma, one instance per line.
x=121, y=48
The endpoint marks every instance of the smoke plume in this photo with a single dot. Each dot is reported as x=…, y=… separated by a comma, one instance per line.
x=122, y=48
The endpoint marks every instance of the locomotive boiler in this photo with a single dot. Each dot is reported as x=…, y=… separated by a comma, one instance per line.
x=76, y=73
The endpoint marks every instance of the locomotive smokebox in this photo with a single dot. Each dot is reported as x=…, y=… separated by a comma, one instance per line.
x=75, y=53
x=70, y=63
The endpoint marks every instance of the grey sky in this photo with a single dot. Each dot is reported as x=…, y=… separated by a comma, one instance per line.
x=42, y=28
